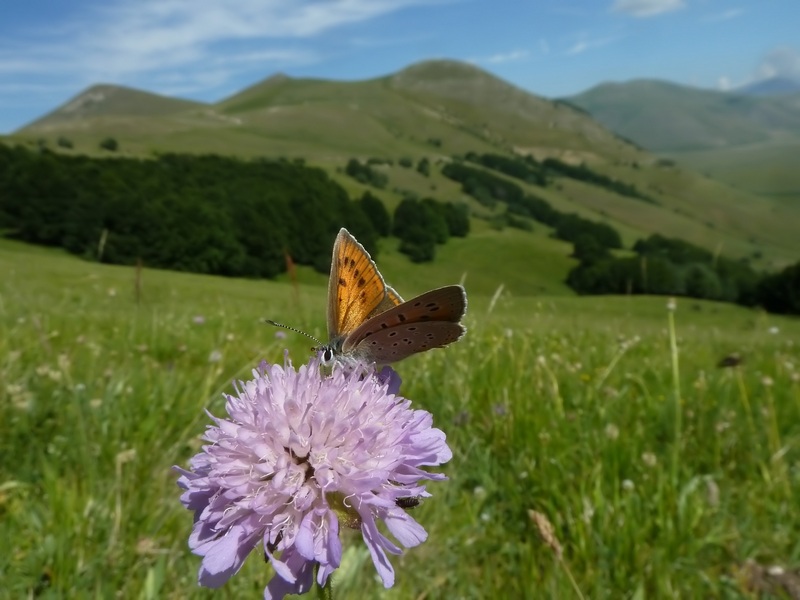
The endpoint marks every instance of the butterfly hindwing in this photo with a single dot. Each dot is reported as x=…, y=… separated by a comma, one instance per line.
x=356, y=288
x=401, y=341
x=446, y=304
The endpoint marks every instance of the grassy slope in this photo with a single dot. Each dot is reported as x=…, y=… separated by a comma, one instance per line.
x=558, y=404
x=750, y=143
x=465, y=109
x=769, y=169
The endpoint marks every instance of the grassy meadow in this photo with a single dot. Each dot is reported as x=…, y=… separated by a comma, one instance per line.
x=660, y=473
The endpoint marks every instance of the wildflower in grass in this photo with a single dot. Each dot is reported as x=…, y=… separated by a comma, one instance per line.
x=649, y=459
x=461, y=418
x=215, y=356
x=301, y=455
x=612, y=431
x=588, y=511
x=198, y=319
x=712, y=493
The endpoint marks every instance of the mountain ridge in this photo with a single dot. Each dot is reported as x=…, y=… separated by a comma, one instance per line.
x=438, y=110
x=668, y=117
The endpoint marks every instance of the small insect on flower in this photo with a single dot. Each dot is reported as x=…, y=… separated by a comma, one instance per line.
x=301, y=455
x=408, y=502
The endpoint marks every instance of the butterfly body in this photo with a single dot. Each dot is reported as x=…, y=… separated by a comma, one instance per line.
x=369, y=322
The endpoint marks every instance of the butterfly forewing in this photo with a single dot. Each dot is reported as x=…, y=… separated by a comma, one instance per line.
x=356, y=288
x=391, y=300
x=446, y=304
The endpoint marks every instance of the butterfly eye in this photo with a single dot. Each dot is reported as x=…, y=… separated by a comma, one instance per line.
x=327, y=355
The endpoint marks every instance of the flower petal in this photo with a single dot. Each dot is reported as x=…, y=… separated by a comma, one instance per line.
x=225, y=557
x=301, y=574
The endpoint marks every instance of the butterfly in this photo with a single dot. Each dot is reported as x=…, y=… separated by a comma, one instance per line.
x=368, y=321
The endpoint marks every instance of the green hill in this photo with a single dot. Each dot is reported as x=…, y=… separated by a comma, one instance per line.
x=666, y=117
x=748, y=140
x=107, y=102
x=438, y=109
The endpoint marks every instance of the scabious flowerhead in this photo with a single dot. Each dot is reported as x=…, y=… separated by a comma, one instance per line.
x=300, y=455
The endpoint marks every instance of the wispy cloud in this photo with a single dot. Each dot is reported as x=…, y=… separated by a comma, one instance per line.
x=585, y=44
x=646, y=8
x=502, y=57
x=544, y=46
x=126, y=40
x=780, y=62
x=725, y=15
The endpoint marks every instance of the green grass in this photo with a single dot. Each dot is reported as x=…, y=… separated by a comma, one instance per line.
x=560, y=404
x=769, y=169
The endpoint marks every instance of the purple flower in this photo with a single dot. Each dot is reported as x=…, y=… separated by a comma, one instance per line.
x=301, y=455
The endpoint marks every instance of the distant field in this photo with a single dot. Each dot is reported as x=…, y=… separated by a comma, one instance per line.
x=552, y=402
x=770, y=169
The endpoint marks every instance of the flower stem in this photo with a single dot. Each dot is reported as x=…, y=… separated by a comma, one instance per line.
x=676, y=392
x=323, y=592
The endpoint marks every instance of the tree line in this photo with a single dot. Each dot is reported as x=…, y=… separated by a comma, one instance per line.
x=529, y=170
x=661, y=265
x=668, y=266
x=489, y=189
x=205, y=214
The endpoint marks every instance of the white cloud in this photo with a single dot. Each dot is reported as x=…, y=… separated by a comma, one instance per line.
x=504, y=57
x=780, y=62
x=724, y=83
x=585, y=44
x=132, y=40
x=646, y=8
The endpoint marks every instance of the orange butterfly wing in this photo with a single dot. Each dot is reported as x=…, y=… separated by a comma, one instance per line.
x=391, y=300
x=356, y=289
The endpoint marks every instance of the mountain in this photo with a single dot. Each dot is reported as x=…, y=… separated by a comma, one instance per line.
x=774, y=86
x=667, y=117
x=386, y=116
x=437, y=110
x=108, y=101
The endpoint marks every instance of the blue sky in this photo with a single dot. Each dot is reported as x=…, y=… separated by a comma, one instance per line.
x=208, y=49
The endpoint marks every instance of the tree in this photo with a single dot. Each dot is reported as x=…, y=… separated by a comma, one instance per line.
x=417, y=226
x=780, y=292
x=588, y=250
x=457, y=218
x=109, y=144
x=424, y=167
x=377, y=213
x=702, y=282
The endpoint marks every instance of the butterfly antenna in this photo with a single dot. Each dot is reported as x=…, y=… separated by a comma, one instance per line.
x=282, y=326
